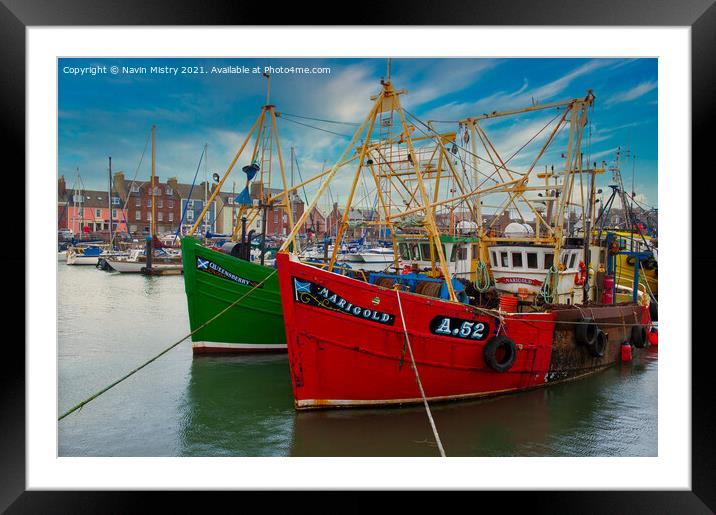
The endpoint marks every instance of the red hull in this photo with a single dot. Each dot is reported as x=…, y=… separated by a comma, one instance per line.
x=346, y=343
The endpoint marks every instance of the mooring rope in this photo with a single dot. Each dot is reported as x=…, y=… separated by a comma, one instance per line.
x=81, y=404
x=417, y=377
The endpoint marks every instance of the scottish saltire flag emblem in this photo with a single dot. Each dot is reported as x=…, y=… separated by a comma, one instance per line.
x=209, y=267
x=302, y=286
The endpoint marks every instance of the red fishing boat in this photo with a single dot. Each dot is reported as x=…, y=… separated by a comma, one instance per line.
x=497, y=312
x=347, y=343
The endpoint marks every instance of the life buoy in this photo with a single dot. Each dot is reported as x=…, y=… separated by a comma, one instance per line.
x=586, y=331
x=489, y=352
x=581, y=276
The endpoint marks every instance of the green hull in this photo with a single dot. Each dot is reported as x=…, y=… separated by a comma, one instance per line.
x=213, y=281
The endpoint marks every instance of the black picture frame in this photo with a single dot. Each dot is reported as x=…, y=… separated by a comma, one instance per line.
x=17, y=15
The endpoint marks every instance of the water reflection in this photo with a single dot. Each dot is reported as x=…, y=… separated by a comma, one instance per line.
x=242, y=406
x=238, y=406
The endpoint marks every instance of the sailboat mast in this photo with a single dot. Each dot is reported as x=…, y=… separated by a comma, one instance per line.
x=206, y=182
x=109, y=201
x=153, y=233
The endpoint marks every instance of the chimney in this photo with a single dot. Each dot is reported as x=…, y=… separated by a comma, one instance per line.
x=61, y=187
x=173, y=184
x=119, y=186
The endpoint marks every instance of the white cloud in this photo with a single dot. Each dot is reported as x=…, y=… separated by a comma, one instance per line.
x=631, y=94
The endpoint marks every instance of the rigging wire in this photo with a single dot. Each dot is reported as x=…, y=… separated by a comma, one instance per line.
x=317, y=128
x=317, y=119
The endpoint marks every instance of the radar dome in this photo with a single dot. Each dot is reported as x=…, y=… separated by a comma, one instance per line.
x=518, y=230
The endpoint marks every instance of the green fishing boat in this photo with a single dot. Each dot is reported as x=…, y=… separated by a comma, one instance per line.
x=213, y=281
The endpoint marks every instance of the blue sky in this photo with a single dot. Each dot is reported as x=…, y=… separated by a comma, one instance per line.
x=106, y=114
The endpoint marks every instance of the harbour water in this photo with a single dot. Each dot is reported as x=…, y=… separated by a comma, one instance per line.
x=180, y=405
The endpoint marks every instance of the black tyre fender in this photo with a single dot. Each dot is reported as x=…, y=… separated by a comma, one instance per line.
x=599, y=346
x=630, y=260
x=639, y=337
x=649, y=264
x=489, y=352
x=586, y=332
x=653, y=310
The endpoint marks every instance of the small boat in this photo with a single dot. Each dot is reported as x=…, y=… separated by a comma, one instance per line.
x=83, y=255
x=381, y=255
x=136, y=261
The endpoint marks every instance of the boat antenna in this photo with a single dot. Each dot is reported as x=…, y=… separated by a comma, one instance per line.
x=268, y=87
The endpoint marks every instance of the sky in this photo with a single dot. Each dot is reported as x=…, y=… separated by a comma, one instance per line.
x=102, y=113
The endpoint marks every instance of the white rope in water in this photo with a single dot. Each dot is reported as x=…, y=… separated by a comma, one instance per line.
x=417, y=376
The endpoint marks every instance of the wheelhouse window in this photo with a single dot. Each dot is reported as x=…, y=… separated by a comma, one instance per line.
x=517, y=259
x=404, y=251
x=425, y=251
x=415, y=251
x=532, y=260
x=548, y=260
x=504, y=260
x=571, y=261
x=494, y=258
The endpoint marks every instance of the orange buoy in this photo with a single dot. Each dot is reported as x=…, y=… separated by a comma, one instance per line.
x=653, y=337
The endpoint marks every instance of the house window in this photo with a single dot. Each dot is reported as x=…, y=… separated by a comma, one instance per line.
x=149, y=216
x=171, y=217
x=137, y=215
x=190, y=204
x=97, y=213
x=157, y=191
x=114, y=213
x=169, y=191
x=149, y=202
x=134, y=188
x=115, y=201
x=230, y=200
x=160, y=216
x=170, y=204
x=160, y=203
x=531, y=260
x=190, y=216
x=138, y=202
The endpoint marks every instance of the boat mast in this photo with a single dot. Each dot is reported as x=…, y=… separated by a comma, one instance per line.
x=153, y=232
x=206, y=183
x=109, y=202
